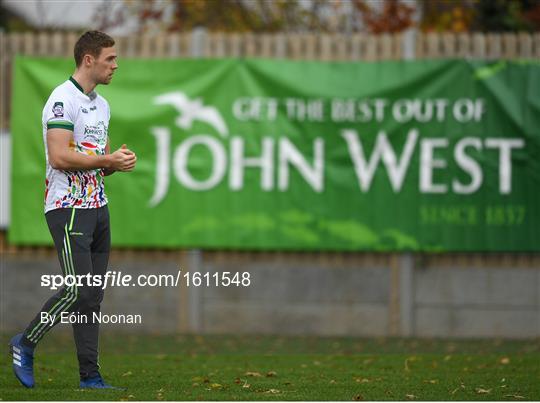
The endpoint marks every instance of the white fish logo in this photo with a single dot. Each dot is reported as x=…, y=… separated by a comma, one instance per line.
x=191, y=110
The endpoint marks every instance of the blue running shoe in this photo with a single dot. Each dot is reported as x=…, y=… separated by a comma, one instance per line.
x=97, y=382
x=23, y=361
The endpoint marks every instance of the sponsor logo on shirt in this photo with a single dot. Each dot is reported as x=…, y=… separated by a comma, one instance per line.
x=93, y=130
x=96, y=133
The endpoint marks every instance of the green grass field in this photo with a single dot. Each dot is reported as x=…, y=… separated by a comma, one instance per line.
x=285, y=368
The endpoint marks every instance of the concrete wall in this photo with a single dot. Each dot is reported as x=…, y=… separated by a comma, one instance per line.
x=349, y=295
x=477, y=302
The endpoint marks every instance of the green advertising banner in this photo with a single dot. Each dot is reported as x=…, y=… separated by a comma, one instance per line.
x=274, y=155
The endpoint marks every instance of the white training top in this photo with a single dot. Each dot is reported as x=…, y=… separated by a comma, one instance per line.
x=87, y=116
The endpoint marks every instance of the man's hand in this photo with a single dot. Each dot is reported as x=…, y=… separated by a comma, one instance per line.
x=122, y=159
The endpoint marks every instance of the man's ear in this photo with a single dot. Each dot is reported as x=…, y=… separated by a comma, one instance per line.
x=87, y=60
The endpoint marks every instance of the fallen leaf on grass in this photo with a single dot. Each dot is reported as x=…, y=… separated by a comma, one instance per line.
x=270, y=374
x=255, y=374
x=461, y=386
x=482, y=391
x=515, y=396
x=410, y=397
x=216, y=386
x=273, y=391
x=47, y=369
x=333, y=381
x=358, y=398
x=431, y=381
x=127, y=373
x=409, y=359
x=362, y=380
x=246, y=385
x=505, y=360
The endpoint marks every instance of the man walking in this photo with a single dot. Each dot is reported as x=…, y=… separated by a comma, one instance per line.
x=75, y=131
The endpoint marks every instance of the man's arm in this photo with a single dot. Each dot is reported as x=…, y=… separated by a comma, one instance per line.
x=62, y=157
x=108, y=171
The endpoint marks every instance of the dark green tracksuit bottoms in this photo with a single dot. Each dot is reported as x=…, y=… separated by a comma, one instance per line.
x=82, y=238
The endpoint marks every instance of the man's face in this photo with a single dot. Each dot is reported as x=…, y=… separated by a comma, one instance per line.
x=104, y=66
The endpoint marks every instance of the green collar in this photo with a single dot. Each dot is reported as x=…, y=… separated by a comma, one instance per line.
x=76, y=84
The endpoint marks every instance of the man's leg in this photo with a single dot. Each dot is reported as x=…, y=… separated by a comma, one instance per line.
x=74, y=251
x=87, y=334
x=69, y=229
